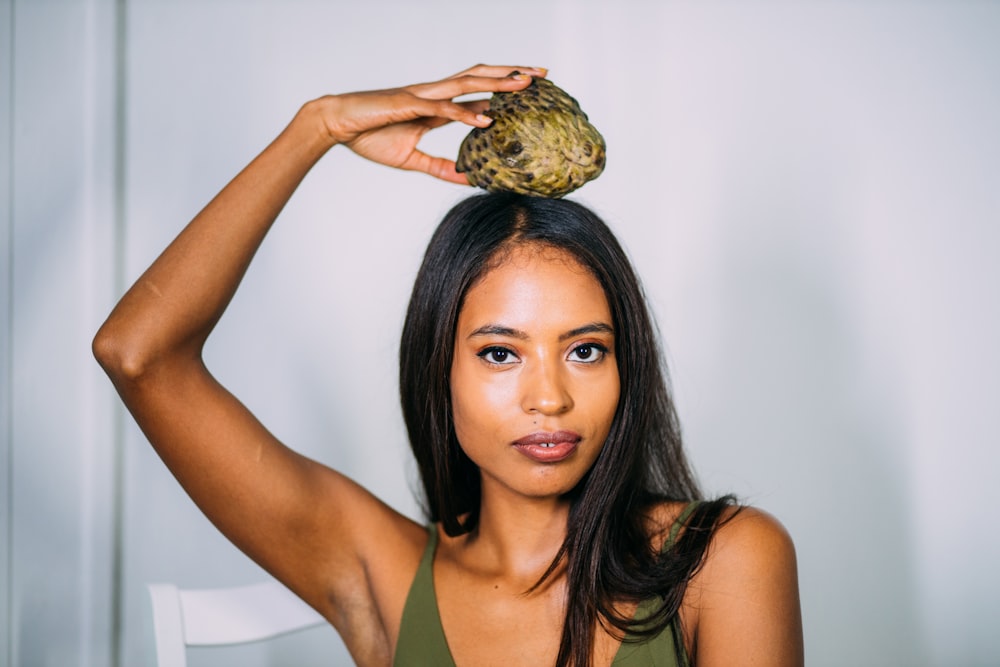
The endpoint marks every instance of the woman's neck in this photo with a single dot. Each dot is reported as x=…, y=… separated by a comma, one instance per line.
x=516, y=536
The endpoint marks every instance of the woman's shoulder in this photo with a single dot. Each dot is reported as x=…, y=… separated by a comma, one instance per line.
x=747, y=545
x=734, y=526
x=747, y=531
x=745, y=596
x=742, y=537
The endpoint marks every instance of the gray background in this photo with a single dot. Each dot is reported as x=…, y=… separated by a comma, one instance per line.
x=811, y=192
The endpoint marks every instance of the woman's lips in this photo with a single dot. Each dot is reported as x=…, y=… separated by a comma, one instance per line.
x=548, y=447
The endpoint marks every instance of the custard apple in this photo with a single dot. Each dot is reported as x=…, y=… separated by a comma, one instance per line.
x=540, y=143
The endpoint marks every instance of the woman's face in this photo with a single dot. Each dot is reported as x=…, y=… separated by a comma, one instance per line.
x=534, y=381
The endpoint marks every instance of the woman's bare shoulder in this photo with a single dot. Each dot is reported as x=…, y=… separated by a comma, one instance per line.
x=747, y=531
x=739, y=527
x=745, y=597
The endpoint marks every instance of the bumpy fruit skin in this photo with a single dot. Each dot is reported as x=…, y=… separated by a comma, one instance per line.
x=540, y=143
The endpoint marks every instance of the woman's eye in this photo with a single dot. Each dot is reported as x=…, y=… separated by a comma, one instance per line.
x=588, y=353
x=497, y=355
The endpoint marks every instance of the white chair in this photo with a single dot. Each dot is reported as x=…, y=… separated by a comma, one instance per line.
x=221, y=616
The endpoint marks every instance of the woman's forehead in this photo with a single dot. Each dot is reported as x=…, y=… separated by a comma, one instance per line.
x=535, y=283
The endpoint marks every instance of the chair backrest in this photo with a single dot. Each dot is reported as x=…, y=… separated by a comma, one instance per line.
x=220, y=616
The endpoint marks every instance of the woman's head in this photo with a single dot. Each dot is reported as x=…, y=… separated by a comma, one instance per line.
x=534, y=380
x=642, y=452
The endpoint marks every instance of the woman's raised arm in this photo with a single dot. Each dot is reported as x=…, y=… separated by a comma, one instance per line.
x=301, y=521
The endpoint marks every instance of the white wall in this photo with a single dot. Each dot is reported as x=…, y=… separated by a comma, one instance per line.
x=810, y=191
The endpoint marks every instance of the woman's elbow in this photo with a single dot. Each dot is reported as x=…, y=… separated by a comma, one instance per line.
x=121, y=360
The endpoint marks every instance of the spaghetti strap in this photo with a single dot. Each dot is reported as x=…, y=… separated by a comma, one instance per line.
x=680, y=521
x=660, y=650
x=421, y=641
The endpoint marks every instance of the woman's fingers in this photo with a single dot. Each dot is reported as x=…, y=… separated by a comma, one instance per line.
x=436, y=97
x=385, y=126
x=438, y=167
x=434, y=113
x=355, y=113
x=447, y=89
x=474, y=107
x=479, y=79
x=500, y=71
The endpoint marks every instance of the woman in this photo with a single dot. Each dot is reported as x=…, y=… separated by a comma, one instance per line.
x=535, y=406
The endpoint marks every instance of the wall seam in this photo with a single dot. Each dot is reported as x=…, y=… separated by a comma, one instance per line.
x=9, y=353
x=118, y=283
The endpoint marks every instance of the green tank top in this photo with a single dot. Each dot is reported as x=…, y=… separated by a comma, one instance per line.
x=422, y=642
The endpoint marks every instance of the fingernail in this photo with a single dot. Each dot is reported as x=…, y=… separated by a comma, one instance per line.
x=521, y=77
x=482, y=118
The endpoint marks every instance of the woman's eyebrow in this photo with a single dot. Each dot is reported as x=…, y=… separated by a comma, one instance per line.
x=593, y=327
x=500, y=330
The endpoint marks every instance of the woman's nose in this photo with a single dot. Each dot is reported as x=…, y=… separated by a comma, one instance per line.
x=545, y=390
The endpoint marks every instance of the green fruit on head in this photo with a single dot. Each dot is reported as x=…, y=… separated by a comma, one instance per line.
x=540, y=143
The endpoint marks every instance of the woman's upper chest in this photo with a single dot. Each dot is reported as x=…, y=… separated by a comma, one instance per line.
x=490, y=621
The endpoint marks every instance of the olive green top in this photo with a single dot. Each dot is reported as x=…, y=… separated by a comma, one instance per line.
x=422, y=642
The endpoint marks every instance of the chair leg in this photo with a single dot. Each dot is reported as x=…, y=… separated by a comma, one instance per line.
x=168, y=625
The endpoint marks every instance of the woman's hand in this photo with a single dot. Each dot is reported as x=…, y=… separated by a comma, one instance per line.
x=385, y=126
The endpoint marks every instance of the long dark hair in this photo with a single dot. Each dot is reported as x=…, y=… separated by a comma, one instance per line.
x=608, y=549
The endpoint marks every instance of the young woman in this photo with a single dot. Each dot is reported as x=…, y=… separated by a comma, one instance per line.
x=563, y=529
